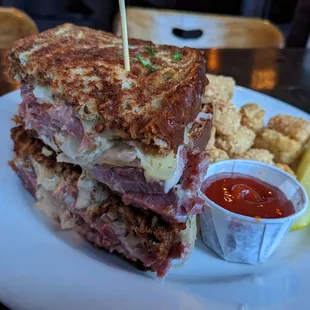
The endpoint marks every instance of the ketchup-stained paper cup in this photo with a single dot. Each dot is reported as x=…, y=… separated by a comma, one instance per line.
x=244, y=239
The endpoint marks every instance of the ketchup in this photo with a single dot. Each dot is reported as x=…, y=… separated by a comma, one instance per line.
x=248, y=196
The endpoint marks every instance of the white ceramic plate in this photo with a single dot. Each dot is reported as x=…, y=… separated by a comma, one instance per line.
x=42, y=267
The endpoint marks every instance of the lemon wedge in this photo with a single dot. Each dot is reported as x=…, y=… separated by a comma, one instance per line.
x=303, y=176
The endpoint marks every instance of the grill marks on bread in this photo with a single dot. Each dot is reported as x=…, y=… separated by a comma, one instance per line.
x=85, y=67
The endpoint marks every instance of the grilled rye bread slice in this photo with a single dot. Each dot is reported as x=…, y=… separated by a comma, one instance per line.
x=152, y=103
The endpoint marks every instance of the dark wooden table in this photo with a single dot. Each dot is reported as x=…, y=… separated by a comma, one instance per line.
x=284, y=74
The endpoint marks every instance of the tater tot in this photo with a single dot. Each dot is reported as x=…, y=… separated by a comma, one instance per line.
x=236, y=143
x=286, y=168
x=296, y=128
x=217, y=155
x=226, y=118
x=261, y=155
x=252, y=116
x=285, y=150
x=220, y=88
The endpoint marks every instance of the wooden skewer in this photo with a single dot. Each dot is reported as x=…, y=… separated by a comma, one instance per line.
x=122, y=11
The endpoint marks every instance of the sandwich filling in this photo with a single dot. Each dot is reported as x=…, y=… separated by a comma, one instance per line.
x=146, y=180
x=86, y=143
x=69, y=194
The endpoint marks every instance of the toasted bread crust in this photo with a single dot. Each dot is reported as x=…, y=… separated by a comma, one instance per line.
x=85, y=68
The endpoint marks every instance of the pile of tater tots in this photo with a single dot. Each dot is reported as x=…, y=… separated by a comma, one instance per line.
x=243, y=133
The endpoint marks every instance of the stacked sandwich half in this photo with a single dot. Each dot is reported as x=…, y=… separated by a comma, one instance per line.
x=115, y=155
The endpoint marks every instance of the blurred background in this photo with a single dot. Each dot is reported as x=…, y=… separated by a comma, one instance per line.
x=289, y=20
x=100, y=13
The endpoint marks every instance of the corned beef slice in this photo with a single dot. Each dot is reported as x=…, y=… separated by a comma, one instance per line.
x=130, y=182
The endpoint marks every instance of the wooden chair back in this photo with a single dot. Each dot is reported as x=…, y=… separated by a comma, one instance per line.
x=199, y=30
x=14, y=24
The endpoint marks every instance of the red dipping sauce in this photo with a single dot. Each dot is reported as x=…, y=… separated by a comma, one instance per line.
x=248, y=196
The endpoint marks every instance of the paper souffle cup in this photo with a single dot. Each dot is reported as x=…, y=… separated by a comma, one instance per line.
x=242, y=239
